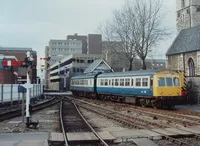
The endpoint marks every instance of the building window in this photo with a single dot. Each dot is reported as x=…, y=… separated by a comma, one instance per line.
x=179, y=14
x=198, y=9
x=191, y=67
x=188, y=11
x=183, y=3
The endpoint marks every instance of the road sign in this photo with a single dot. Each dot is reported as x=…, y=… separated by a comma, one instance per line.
x=27, y=85
x=11, y=63
x=21, y=89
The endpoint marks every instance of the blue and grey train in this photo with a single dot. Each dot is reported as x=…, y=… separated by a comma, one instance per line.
x=156, y=88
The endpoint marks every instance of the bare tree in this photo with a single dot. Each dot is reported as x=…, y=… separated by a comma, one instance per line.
x=137, y=25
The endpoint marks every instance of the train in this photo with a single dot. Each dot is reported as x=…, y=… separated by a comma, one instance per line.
x=155, y=88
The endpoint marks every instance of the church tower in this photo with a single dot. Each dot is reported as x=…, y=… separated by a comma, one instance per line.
x=188, y=13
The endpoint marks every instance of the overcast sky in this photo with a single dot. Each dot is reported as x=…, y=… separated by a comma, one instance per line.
x=32, y=23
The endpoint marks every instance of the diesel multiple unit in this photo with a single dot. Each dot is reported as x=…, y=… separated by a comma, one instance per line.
x=156, y=88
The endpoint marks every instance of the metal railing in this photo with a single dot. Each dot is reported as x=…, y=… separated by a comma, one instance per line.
x=9, y=92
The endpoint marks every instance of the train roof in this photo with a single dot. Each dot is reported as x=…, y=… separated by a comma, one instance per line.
x=83, y=77
x=131, y=73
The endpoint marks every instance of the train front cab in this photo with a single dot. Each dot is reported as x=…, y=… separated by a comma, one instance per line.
x=168, y=89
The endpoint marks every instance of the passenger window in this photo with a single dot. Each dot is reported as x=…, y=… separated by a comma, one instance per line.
x=169, y=82
x=101, y=82
x=106, y=82
x=176, y=82
x=113, y=82
x=138, y=82
x=121, y=82
x=145, y=82
x=127, y=82
x=161, y=82
x=116, y=82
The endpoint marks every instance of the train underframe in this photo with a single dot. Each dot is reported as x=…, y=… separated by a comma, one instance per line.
x=155, y=102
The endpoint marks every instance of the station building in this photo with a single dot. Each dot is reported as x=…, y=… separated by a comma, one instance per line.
x=15, y=75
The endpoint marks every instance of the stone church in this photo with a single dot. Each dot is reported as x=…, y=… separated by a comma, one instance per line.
x=184, y=53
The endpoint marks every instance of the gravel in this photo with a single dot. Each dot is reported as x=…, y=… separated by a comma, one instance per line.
x=48, y=122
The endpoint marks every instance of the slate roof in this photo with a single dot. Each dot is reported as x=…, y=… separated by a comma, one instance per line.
x=188, y=40
x=94, y=65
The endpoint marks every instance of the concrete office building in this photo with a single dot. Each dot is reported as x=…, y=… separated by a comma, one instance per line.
x=91, y=43
x=59, y=49
x=75, y=64
x=82, y=38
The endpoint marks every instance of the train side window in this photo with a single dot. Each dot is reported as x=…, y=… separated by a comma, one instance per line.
x=161, y=82
x=106, y=82
x=127, y=82
x=113, y=82
x=121, y=82
x=176, y=82
x=144, y=82
x=169, y=82
x=116, y=82
x=101, y=82
x=138, y=82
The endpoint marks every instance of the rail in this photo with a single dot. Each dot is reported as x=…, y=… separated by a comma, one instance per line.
x=62, y=125
x=95, y=133
x=127, y=121
x=18, y=112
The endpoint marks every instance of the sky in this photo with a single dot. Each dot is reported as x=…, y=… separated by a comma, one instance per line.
x=32, y=23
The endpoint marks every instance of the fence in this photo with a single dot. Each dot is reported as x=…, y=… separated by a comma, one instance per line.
x=9, y=92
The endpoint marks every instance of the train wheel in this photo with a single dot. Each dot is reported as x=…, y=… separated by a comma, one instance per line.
x=156, y=104
x=142, y=102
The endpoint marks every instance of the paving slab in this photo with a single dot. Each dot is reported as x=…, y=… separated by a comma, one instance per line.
x=178, y=131
x=24, y=143
x=150, y=133
x=165, y=132
x=144, y=142
x=24, y=136
x=53, y=136
x=105, y=135
x=195, y=130
x=129, y=134
x=80, y=136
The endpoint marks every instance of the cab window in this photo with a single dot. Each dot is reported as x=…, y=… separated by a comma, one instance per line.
x=161, y=82
x=169, y=82
x=176, y=81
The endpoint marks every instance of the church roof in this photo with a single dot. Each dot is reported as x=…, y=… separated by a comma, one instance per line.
x=188, y=40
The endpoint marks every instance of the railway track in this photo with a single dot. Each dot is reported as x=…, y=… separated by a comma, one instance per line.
x=72, y=121
x=18, y=112
x=128, y=120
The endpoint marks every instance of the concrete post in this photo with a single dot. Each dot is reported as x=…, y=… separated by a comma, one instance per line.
x=2, y=93
x=19, y=96
x=27, y=101
x=23, y=97
x=11, y=94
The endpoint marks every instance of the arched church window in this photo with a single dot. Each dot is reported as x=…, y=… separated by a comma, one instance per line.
x=191, y=67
